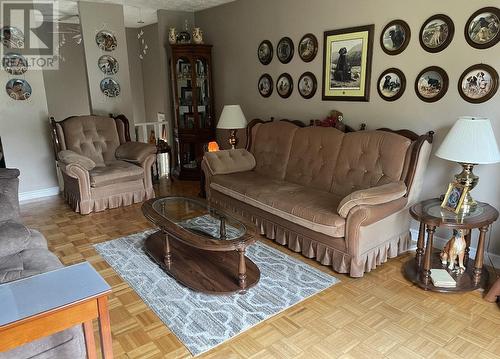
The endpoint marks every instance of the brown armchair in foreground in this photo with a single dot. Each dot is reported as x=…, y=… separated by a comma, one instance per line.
x=100, y=166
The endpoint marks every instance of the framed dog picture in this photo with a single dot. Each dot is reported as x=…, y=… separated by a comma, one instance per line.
x=347, y=64
x=454, y=197
x=478, y=83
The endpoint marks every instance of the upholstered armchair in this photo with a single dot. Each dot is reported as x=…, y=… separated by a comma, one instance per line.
x=100, y=166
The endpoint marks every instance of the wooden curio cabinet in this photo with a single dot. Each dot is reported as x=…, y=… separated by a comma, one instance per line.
x=194, y=125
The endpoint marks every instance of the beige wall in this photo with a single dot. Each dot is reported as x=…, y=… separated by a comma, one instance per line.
x=93, y=18
x=135, y=71
x=151, y=69
x=67, y=88
x=237, y=28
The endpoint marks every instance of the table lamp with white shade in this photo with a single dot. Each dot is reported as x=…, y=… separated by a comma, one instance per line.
x=470, y=142
x=232, y=118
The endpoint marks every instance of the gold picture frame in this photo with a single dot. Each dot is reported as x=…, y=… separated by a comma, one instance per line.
x=347, y=62
x=454, y=197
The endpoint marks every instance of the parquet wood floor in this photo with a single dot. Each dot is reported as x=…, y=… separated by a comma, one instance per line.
x=378, y=316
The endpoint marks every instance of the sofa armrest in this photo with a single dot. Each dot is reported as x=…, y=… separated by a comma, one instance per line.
x=68, y=157
x=229, y=161
x=135, y=152
x=372, y=196
x=9, y=173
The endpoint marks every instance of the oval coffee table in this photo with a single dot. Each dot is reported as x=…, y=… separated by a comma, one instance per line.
x=200, y=246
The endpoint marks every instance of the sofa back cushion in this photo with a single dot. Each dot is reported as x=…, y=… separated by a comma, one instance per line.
x=368, y=159
x=271, y=148
x=313, y=157
x=92, y=136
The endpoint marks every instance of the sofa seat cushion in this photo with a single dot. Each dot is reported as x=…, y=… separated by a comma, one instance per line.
x=311, y=208
x=115, y=172
x=27, y=263
x=14, y=237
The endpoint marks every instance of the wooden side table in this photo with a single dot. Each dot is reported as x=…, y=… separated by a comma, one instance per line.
x=50, y=302
x=430, y=215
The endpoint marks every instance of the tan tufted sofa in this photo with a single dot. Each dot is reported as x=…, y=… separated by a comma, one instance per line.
x=341, y=198
x=100, y=166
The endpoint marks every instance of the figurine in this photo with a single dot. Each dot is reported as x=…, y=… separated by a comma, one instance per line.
x=197, y=36
x=172, y=35
x=454, y=248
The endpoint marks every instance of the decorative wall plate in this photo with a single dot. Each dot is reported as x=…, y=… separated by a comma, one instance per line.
x=265, y=85
x=482, y=30
x=436, y=33
x=18, y=89
x=284, y=85
x=391, y=84
x=478, y=83
x=14, y=64
x=12, y=37
x=106, y=40
x=395, y=37
x=431, y=84
x=308, y=47
x=110, y=87
x=307, y=85
x=108, y=64
x=265, y=52
x=285, y=50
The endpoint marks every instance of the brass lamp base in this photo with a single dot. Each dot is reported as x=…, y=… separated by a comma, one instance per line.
x=469, y=179
x=233, y=141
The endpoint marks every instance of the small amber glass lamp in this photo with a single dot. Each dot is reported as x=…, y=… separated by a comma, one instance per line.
x=470, y=142
x=232, y=118
x=213, y=146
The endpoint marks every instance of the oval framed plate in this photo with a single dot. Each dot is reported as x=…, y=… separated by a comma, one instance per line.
x=265, y=52
x=391, y=84
x=395, y=37
x=431, y=84
x=482, y=30
x=18, y=89
x=436, y=33
x=284, y=85
x=285, y=50
x=478, y=83
x=108, y=65
x=14, y=64
x=307, y=85
x=265, y=85
x=106, y=40
x=308, y=47
x=110, y=87
x=12, y=37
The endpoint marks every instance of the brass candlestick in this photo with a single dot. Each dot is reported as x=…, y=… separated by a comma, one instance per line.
x=469, y=179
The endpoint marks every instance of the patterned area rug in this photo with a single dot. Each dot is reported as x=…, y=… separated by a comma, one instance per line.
x=204, y=321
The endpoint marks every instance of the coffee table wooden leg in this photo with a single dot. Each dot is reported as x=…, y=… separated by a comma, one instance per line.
x=88, y=332
x=105, y=328
x=478, y=263
x=242, y=269
x=420, y=245
x=166, y=247
x=426, y=272
x=467, y=246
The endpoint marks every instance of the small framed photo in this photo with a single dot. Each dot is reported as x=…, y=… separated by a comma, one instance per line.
x=284, y=85
x=436, y=33
x=265, y=52
x=285, y=50
x=265, y=85
x=395, y=37
x=478, y=83
x=482, y=30
x=391, y=84
x=307, y=85
x=308, y=47
x=431, y=84
x=454, y=197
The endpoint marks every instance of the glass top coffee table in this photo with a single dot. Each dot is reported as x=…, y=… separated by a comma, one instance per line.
x=200, y=246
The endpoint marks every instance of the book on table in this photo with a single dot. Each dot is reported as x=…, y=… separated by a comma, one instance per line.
x=441, y=278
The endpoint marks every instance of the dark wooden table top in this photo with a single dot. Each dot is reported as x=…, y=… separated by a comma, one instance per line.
x=431, y=213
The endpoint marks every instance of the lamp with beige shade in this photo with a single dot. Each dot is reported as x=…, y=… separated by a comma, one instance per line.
x=470, y=142
x=232, y=118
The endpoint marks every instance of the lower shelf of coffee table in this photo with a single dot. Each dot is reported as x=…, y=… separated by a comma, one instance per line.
x=464, y=280
x=204, y=271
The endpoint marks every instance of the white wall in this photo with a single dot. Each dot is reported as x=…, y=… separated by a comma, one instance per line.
x=236, y=29
x=136, y=78
x=93, y=18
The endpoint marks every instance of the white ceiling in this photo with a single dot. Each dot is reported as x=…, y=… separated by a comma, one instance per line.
x=134, y=10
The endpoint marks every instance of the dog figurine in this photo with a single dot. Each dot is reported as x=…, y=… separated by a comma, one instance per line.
x=454, y=248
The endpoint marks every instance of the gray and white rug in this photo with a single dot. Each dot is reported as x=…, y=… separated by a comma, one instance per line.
x=204, y=321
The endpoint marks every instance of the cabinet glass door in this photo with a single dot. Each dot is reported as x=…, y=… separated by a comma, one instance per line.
x=203, y=93
x=185, y=93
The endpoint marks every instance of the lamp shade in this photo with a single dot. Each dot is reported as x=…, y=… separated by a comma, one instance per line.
x=232, y=118
x=470, y=140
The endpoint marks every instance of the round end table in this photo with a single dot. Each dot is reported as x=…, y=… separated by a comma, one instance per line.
x=430, y=215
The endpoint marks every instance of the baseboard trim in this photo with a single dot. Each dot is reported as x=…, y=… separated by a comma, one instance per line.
x=439, y=242
x=45, y=192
